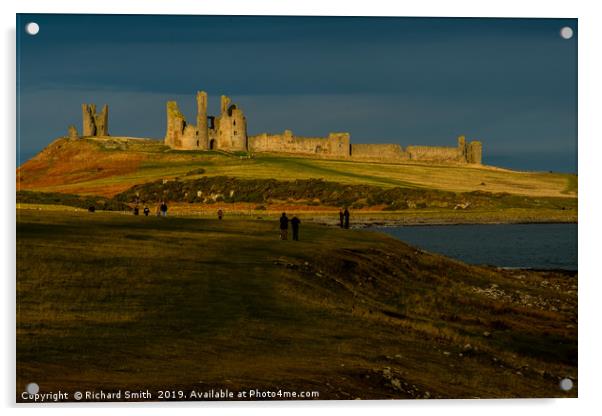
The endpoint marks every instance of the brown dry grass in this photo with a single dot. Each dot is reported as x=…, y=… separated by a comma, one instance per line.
x=117, y=301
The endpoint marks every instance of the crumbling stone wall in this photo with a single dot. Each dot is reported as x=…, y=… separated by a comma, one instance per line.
x=434, y=153
x=94, y=124
x=462, y=153
x=376, y=152
x=335, y=145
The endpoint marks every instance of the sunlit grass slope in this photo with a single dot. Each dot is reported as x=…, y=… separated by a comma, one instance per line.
x=111, y=165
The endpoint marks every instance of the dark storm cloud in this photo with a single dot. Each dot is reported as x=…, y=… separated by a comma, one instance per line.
x=511, y=83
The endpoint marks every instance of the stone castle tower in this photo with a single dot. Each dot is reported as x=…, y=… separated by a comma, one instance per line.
x=470, y=152
x=231, y=127
x=94, y=124
x=227, y=132
x=201, y=120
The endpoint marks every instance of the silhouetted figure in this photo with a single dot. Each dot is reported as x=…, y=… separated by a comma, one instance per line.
x=91, y=208
x=220, y=214
x=346, y=215
x=295, y=226
x=163, y=209
x=341, y=218
x=283, y=226
x=136, y=210
x=146, y=210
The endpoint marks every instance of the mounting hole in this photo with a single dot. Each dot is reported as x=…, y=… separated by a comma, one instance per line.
x=566, y=32
x=32, y=28
x=566, y=384
x=32, y=388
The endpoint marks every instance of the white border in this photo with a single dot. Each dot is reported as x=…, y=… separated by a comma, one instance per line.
x=590, y=204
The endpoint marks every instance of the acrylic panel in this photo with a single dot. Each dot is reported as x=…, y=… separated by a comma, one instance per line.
x=295, y=208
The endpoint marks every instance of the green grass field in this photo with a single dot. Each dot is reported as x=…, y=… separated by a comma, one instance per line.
x=116, y=301
x=109, y=166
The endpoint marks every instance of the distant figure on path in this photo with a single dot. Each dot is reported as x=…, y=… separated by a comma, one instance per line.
x=91, y=208
x=163, y=209
x=341, y=217
x=295, y=226
x=283, y=226
x=136, y=210
x=146, y=210
x=346, y=215
x=220, y=214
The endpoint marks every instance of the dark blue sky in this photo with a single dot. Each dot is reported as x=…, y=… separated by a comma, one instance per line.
x=511, y=83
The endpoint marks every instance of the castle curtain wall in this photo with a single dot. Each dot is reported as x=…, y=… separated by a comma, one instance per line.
x=435, y=153
x=335, y=145
x=375, y=152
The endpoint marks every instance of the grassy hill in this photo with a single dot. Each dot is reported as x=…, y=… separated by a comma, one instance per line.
x=116, y=301
x=108, y=166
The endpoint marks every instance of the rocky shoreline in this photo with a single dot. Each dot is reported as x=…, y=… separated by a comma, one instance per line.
x=362, y=224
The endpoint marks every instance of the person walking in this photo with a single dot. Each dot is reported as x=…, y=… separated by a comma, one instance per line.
x=295, y=226
x=163, y=209
x=346, y=215
x=341, y=217
x=136, y=210
x=283, y=226
x=220, y=214
x=146, y=210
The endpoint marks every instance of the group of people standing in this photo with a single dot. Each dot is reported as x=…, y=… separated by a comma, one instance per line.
x=344, y=218
x=284, y=227
x=284, y=220
x=161, y=210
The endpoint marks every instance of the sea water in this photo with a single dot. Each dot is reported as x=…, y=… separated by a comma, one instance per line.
x=537, y=246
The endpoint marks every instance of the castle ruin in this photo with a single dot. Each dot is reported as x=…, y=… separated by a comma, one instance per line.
x=228, y=132
x=94, y=124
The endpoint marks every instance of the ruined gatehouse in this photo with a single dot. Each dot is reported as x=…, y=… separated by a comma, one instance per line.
x=228, y=131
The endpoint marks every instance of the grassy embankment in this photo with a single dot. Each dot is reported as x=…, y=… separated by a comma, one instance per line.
x=107, y=167
x=116, y=301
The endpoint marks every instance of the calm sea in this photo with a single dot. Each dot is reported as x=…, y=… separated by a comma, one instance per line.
x=538, y=246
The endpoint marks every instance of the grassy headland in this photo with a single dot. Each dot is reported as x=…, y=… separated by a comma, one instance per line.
x=118, y=171
x=117, y=301
x=112, y=165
